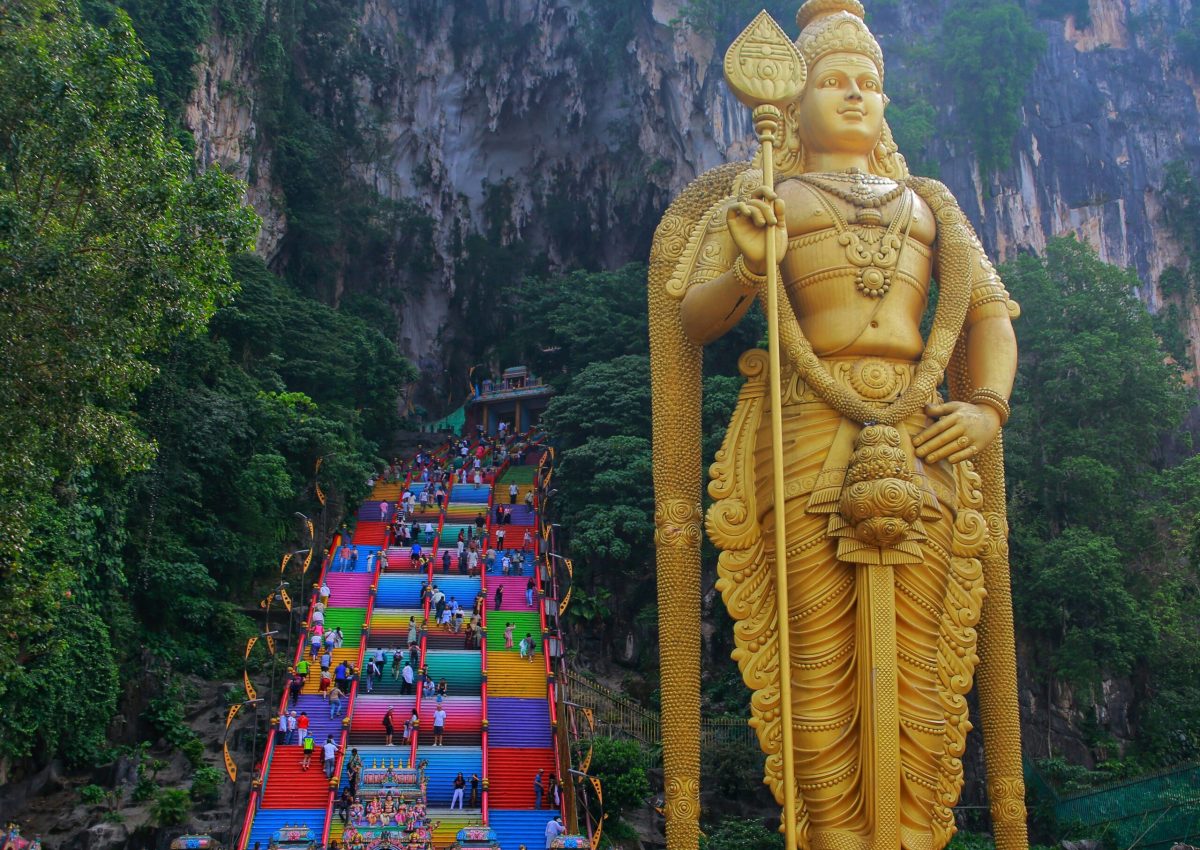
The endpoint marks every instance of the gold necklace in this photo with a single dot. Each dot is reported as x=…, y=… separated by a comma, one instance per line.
x=859, y=193
x=878, y=258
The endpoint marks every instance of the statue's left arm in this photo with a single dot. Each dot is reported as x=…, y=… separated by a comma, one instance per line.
x=965, y=428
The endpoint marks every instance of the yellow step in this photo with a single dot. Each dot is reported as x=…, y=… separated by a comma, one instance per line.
x=509, y=675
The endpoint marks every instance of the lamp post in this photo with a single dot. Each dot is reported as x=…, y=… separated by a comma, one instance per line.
x=233, y=805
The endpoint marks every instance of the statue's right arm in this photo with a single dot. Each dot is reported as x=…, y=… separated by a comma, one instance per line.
x=710, y=309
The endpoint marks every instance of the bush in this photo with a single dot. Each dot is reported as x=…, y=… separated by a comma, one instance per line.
x=171, y=807
x=146, y=789
x=741, y=834
x=206, y=785
x=193, y=750
x=93, y=795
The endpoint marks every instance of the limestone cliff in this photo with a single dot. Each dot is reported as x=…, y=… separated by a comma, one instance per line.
x=591, y=115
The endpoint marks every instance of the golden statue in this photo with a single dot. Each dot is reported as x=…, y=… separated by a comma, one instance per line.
x=869, y=588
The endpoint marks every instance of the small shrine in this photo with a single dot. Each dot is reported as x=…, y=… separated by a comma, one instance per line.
x=476, y=838
x=389, y=812
x=517, y=399
x=14, y=841
x=195, y=842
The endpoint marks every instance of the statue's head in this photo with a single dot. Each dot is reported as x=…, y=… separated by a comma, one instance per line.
x=841, y=107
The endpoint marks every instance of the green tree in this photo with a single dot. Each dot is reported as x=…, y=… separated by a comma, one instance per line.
x=111, y=246
x=988, y=52
x=1103, y=525
x=617, y=763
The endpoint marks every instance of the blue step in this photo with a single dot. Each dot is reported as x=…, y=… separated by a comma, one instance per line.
x=400, y=590
x=514, y=828
x=268, y=821
x=445, y=763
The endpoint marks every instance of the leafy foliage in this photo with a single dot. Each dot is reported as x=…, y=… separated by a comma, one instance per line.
x=989, y=51
x=164, y=407
x=171, y=807
x=741, y=834
x=1103, y=536
x=617, y=763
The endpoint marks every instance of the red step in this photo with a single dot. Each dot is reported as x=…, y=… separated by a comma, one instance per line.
x=510, y=776
x=289, y=787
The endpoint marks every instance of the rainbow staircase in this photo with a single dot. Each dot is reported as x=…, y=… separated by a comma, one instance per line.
x=290, y=795
x=498, y=718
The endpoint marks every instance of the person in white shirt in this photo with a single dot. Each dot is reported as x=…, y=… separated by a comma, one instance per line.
x=439, y=726
x=330, y=751
x=554, y=829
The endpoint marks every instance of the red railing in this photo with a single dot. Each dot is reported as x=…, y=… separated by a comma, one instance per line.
x=264, y=769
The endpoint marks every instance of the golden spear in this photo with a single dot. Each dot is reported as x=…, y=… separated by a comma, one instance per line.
x=765, y=71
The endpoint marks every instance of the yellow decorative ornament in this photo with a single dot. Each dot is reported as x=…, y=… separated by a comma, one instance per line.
x=860, y=518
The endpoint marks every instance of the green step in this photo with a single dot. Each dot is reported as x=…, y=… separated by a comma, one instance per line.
x=518, y=474
x=525, y=622
x=459, y=669
x=350, y=620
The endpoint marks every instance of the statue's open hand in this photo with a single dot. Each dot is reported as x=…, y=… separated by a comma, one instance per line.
x=747, y=222
x=961, y=431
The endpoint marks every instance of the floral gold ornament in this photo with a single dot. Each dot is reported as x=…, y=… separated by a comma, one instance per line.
x=860, y=516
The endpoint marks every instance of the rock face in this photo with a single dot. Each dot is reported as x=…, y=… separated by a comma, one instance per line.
x=569, y=125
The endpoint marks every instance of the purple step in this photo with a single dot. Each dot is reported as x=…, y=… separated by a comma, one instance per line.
x=319, y=723
x=369, y=511
x=521, y=515
x=516, y=722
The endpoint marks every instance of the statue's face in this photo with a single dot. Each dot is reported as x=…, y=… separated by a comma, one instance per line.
x=841, y=110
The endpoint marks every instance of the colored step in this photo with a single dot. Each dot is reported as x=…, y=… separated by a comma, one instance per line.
x=366, y=727
x=400, y=590
x=463, y=719
x=511, y=601
x=443, y=764
x=376, y=510
x=312, y=684
x=288, y=786
x=269, y=821
x=370, y=533
x=350, y=620
x=511, y=676
x=521, y=827
x=349, y=590
x=450, y=821
x=515, y=722
x=319, y=722
x=511, y=773
x=389, y=627
x=524, y=622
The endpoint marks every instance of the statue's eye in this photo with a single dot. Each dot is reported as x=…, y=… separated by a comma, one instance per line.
x=830, y=82
x=871, y=85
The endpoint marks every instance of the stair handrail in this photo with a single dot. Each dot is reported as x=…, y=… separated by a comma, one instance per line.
x=259, y=778
x=485, y=744
x=363, y=638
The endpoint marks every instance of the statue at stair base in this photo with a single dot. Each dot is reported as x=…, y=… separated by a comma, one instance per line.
x=390, y=809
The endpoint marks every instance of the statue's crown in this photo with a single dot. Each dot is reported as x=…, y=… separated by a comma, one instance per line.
x=835, y=26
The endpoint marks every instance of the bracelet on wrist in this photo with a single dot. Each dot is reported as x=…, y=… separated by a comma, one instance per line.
x=994, y=400
x=748, y=278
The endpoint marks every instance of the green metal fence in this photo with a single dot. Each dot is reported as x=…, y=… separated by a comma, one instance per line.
x=1147, y=813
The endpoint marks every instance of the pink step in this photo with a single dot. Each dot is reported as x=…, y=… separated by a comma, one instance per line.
x=514, y=593
x=350, y=590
